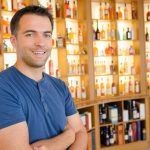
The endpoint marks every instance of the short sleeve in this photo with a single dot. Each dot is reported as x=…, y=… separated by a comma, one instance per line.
x=69, y=103
x=10, y=109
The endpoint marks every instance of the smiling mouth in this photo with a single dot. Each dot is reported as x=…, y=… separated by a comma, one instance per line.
x=41, y=53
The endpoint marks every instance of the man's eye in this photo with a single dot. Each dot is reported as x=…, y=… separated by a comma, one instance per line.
x=29, y=34
x=48, y=35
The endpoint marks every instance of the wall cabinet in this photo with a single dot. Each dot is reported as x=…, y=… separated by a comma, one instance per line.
x=101, y=49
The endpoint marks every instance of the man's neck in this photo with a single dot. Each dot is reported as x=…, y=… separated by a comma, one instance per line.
x=31, y=72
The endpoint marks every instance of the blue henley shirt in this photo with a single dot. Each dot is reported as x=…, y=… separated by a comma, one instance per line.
x=44, y=105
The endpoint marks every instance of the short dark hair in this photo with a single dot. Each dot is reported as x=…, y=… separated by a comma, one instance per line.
x=31, y=9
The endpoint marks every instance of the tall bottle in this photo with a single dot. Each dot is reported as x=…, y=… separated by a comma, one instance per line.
x=147, y=35
x=126, y=136
x=134, y=11
x=83, y=91
x=125, y=12
x=134, y=110
x=78, y=90
x=128, y=34
x=75, y=10
x=119, y=13
x=130, y=133
x=101, y=11
x=148, y=14
x=106, y=12
x=57, y=9
x=104, y=113
x=97, y=33
x=97, y=87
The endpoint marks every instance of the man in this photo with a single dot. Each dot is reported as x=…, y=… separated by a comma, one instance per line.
x=36, y=110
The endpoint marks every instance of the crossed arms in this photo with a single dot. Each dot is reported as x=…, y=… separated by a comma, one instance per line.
x=74, y=137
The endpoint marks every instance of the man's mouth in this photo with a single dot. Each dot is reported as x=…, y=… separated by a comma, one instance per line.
x=41, y=53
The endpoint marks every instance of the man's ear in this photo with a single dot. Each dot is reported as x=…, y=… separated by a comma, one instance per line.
x=13, y=41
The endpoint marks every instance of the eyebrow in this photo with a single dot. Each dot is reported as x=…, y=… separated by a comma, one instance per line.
x=35, y=31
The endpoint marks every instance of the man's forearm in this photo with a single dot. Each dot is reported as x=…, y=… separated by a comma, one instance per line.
x=60, y=142
x=80, y=141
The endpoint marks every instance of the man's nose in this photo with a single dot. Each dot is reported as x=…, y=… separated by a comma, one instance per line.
x=39, y=40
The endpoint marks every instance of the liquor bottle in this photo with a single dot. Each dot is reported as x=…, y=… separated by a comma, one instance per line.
x=108, y=88
x=114, y=88
x=131, y=50
x=106, y=12
x=128, y=34
x=5, y=47
x=100, y=115
x=114, y=133
x=143, y=134
x=148, y=14
x=126, y=87
x=94, y=34
x=14, y=5
x=104, y=113
x=97, y=88
x=126, y=67
x=147, y=35
x=108, y=32
x=65, y=8
x=121, y=89
x=68, y=10
x=125, y=12
x=80, y=35
x=130, y=86
x=101, y=11
x=113, y=35
x=111, y=11
x=72, y=90
x=78, y=90
x=83, y=91
x=134, y=12
x=102, y=34
x=112, y=141
x=95, y=50
x=137, y=87
x=134, y=110
x=119, y=13
x=148, y=82
x=112, y=68
x=49, y=7
x=75, y=10
x=124, y=34
x=58, y=74
x=102, y=87
x=97, y=33
x=107, y=140
x=51, y=67
x=130, y=133
x=126, y=136
x=57, y=9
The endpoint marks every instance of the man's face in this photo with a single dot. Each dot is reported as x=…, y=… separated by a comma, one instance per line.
x=33, y=40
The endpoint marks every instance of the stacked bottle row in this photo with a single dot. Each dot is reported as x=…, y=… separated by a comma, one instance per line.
x=115, y=48
x=113, y=131
x=106, y=86
x=120, y=134
x=114, y=113
x=78, y=90
x=13, y=5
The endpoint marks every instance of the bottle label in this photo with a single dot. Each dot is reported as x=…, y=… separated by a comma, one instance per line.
x=104, y=116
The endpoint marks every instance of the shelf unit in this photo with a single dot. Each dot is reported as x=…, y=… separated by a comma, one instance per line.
x=120, y=59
